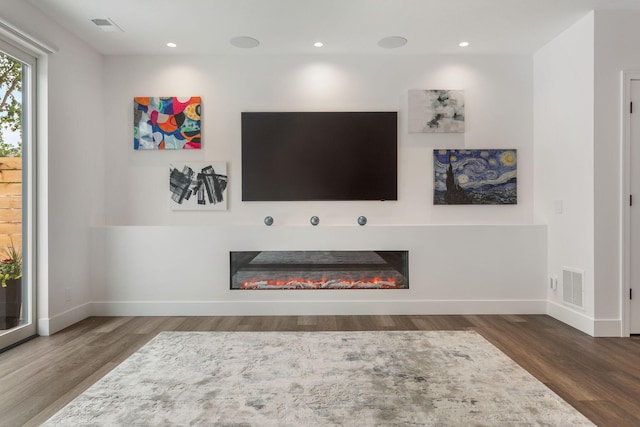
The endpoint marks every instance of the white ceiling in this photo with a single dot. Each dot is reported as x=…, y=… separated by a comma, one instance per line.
x=345, y=26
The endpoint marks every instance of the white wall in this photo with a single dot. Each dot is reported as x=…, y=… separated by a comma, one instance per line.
x=95, y=178
x=76, y=170
x=142, y=249
x=498, y=91
x=71, y=138
x=564, y=158
x=616, y=50
x=184, y=270
x=491, y=259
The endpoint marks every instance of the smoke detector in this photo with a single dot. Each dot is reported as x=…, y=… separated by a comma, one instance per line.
x=106, y=24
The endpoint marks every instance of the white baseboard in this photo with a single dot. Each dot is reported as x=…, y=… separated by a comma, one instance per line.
x=580, y=321
x=573, y=318
x=300, y=308
x=584, y=323
x=50, y=325
x=607, y=328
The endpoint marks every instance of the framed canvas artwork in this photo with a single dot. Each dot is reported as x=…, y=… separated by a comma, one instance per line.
x=436, y=111
x=475, y=177
x=166, y=123
x=198, y=186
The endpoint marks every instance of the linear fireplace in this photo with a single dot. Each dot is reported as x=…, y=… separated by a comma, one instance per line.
x=319, y=270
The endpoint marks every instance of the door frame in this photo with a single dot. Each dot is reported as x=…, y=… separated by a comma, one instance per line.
x=625, y=223
x=29, y=77
x=38, y=217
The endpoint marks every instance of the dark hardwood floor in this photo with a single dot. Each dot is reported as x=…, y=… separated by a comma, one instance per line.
x=600, y=377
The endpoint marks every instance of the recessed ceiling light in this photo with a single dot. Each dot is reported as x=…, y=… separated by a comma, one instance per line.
x=244, y=42
x=172, y=44
x=392, y=42
x=463, y=44
x=318, y=44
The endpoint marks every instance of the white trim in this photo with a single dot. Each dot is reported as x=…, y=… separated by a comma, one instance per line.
x=571, y=317
x=15, y=335
x=314, y=308
x=625, y=220
x=49, y=326
x=41, y=226
x=580, y=321
x=29, y=185
x=43, y=327
x=29, y=138
x=607, y=328
x=24, y=40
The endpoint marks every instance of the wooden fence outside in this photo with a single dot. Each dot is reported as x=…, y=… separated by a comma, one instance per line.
x=10, y=202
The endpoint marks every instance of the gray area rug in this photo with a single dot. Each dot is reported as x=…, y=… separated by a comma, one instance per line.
x=392, y=378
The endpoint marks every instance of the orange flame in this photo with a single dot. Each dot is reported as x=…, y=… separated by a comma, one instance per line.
x=375, y=283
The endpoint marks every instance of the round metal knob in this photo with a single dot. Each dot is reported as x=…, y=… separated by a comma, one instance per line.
x=268, y=220
x=362, y=220
x=314, y=220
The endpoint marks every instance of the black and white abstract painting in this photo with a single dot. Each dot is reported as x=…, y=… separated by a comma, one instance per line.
x=198, y=186
x=436, y=111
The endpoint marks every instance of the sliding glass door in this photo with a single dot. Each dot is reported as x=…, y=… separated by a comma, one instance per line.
x=17, y=95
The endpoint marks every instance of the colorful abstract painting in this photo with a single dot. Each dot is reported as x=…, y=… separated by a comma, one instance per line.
x=475, y=177
x=198, y=186
x=436, y=111
x=166, y=123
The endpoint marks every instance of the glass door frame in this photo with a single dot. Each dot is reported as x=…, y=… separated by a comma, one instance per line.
x=28, y=327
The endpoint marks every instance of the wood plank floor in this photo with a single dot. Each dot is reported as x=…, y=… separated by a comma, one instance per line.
x=598, y=376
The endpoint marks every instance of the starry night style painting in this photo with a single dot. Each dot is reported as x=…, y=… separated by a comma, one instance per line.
x=475, y=177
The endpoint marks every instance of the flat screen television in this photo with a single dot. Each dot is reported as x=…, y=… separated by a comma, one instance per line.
x=304, y=156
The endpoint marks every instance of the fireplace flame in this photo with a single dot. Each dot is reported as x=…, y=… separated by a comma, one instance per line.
x=375, y=283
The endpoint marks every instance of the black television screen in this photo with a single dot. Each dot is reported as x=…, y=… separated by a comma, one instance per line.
x=296, y=156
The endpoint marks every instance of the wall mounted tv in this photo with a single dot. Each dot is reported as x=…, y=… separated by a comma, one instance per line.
x=298, y=156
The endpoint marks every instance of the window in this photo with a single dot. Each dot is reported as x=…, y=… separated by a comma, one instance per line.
x=17, y=96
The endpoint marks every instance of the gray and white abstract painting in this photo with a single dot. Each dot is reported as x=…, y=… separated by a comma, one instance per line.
x=436, y=111
x=198, y=186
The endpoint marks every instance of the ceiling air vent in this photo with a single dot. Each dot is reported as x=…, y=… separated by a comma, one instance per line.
x=106, y=24
x=573, y=287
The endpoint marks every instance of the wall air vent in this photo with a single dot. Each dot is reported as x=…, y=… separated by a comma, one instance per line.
x=573, y=287
x=106, y=24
